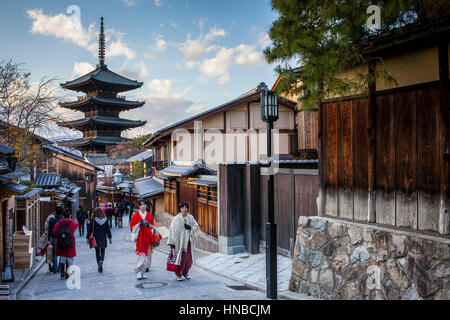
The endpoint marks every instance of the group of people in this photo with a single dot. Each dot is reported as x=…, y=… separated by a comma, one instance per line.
x=60, y=238
x=183, y=233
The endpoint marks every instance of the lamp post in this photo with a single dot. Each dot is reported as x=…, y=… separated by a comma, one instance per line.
x=269, y=114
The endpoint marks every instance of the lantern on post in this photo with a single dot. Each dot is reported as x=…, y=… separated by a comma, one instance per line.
x=269, y=114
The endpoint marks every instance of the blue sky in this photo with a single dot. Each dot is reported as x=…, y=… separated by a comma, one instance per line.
x=192, y=55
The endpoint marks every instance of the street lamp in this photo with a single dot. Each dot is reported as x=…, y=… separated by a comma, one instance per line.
x=269, y=114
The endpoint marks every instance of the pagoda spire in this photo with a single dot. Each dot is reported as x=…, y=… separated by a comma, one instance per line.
x=101, y=44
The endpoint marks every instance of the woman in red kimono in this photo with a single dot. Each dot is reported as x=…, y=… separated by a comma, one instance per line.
x=142, y=227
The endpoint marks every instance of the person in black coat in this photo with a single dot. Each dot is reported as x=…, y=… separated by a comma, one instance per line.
x=102, y=230
x=81, y=218
x=109, y=214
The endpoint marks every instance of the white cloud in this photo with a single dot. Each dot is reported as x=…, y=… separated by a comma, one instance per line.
x=201, y=22
x=158, y=3
x=241, y=55
x=129, y=3
x=160, y=45
x=162, y=106
x=194, y=49
x=137, y=71
x=81, y=68
x=173, y=24
x=70, y=28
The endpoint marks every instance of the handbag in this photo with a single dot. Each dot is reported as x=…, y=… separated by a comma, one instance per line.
x=135, y=234
x=171, y=266
x=92, y=241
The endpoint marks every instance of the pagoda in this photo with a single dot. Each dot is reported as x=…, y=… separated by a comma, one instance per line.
x=101, y=105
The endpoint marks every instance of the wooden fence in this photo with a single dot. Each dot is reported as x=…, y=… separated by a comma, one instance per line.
x=243, y=202
x=407, y=162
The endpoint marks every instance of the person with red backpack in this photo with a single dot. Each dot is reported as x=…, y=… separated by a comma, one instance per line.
x=65, y=242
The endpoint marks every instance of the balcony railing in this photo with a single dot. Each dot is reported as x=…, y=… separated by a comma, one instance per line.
x=158, y=165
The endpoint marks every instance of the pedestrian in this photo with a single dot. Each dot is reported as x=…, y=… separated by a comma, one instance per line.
x=100, y=230
x=120, y=212
x=89, y=217
x=65, y=244
x=131, y=212
x=116, y=208
x=44, y=241
x=143, y=229
x=81, y=217
x=109, y=214
x=183, y=232
x=51, y=225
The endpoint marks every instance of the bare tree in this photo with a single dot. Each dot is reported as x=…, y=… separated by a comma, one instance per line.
x=26, y=109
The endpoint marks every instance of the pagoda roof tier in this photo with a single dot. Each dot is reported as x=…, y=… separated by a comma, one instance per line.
x=103, y=121
x=119, y=103
x=95, y=141
x=102, y=78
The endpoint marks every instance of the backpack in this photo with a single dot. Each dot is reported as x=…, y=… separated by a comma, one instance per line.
x=64, y=240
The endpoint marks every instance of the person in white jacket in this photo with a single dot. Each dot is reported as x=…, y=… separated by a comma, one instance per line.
x=183, y=232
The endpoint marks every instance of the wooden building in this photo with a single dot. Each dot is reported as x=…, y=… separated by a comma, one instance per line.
x=152, y=191
x=76, y=169
x=196, y=184
x=9, y=188
x=232, y=131
x=101, y=105
x=383, y=224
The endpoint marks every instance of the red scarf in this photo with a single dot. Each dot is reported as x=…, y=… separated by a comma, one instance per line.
x=145, y=237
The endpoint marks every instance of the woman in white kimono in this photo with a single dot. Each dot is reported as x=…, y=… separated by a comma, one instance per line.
x=183, y=233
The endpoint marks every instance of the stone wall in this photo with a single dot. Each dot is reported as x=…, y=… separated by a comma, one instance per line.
x=336, y=259
x=204, y=241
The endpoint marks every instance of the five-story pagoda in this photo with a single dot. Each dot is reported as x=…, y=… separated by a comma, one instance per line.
x=101, y=105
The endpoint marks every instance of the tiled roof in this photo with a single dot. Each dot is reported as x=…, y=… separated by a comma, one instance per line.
x=6, y=150
x=103, y=75
x=141, y=156
x=15, y=187
x=147, y=187
x=65, y=150
x=184, y=169
x=205, y=180
x=48, y=179
x=114, y=121
x=103, y=159
x=29, y=194
x=99, y=140
x=107, y=101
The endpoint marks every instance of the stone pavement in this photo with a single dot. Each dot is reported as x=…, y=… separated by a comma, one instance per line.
x=118, y=280
x=214, y=276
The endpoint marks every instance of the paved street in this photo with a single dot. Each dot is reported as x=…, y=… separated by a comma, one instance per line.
x=118, y=281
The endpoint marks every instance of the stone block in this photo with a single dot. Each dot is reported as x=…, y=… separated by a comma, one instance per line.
x=443, y=294
x=326, y=279
x=411, y=294
x=398, y=247
x=381, y=256
x=318, y=224
x=351, y=291
x=311, y=258
x=367, y=235
x=355, y=234
x=303, y=222
x=304, y=238
x=353, y=272
x=441, y=271
x=422, y=281
x=341, y=260
x=314, y=276
x=300, y=269
x=416, y=245
x=337, y=230
x=360, y=254
x=396, y=274
x=294, y=284
x=329, y=248
x=382, y=240
x=392, y=292
x=377, y=295
x=318, y=240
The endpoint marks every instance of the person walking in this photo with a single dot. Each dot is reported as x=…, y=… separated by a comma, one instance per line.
x=89, y=218
x=142, y=226
x=65, y=243
x=109, y=214
x=51, y=225
x=183, y=232
x=81, y=218
x=100, y=230
x=44, y=241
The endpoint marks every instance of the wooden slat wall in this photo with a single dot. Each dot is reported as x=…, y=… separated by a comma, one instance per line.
x=428, y=160
x=307, y=128
x=407, y=158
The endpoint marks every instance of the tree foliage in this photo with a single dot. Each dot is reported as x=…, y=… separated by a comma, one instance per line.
x=137, y=170
x=139, y=140
x=26, y=108
x=123, y=149
x=315, y=40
